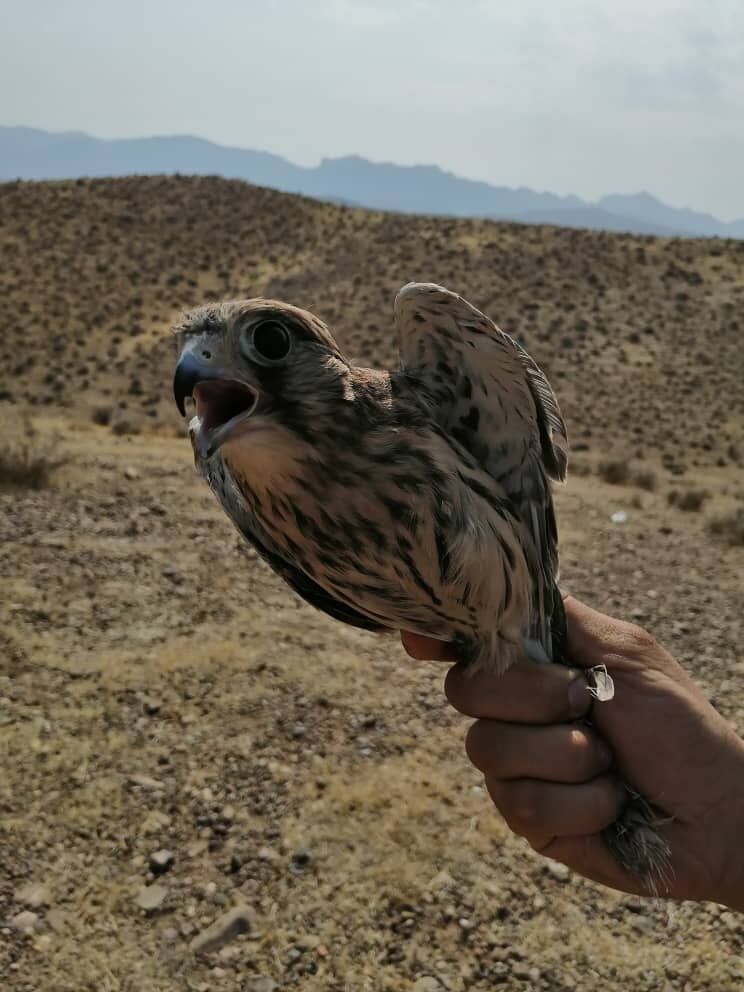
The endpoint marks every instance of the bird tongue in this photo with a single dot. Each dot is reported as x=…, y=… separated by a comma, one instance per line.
x=219, y=401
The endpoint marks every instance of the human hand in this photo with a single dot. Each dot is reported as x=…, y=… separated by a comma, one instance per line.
x=556, y=781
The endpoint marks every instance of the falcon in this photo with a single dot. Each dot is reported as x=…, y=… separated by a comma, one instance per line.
x=417, y=499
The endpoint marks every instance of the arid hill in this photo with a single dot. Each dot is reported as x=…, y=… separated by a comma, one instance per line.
x=641, y=336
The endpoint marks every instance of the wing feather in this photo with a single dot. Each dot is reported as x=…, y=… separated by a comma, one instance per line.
x=491, y=397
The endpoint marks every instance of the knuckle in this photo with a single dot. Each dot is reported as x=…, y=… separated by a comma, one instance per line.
x=480, y=746
x=523, y=808
x=456, y=689
x=638, y=639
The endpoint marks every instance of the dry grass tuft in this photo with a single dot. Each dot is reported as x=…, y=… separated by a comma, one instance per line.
x=690, y=501
x=615, y=471
x=645, y=479
x=729, y=527
x=24, y=466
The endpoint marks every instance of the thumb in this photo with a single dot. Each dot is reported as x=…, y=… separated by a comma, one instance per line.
x=591, y=635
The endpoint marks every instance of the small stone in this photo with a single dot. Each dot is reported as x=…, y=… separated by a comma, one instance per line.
x=644, y=924
x=56, y=920
x=261, y=983
x=170, y=935
x=25, y=922
x=161, y=861
x=152, y=706
x=521, y=971
x=308, y=942
x=731, y=921
x=35, y=895
x=131, y=473
x=151, y=897
x=558, y=871
x=146, y=782
x=267, y=854
x=427, y=983
x=301, y=857
x=227, y=927
x=43, y=943
x=298, y=731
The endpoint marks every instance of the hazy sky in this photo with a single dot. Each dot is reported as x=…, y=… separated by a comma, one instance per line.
x=589, y=98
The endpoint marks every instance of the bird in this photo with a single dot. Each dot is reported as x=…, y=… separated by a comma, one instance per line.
x=415, y=499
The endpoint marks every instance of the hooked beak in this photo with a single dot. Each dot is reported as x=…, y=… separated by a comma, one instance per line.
x=221, y=403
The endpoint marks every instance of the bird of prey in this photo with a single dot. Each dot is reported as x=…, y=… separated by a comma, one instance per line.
x=417, y=499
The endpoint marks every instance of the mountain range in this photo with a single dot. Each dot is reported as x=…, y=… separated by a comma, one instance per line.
x=28, y=153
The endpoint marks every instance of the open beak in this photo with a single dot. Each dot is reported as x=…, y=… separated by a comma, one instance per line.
x=222, y=404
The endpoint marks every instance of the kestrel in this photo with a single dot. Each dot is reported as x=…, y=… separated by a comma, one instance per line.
x=417, y=499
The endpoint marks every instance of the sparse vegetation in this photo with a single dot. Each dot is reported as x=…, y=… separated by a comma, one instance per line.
x=616, y=471
x=690, y=500
x=25, y=465
x=646, y=479
x=729, y=527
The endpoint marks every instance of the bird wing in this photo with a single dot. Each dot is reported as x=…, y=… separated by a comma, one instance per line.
x=490, y=397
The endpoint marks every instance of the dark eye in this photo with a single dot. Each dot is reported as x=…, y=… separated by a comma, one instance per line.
x=271, y=340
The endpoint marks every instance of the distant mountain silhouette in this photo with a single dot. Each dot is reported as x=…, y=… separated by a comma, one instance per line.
x=26, y=153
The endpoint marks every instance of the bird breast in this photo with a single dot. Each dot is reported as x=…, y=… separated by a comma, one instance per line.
x=400, y=527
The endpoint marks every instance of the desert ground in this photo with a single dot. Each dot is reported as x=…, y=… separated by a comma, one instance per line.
x=180, y=735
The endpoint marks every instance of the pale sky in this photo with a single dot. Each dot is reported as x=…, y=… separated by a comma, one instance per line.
x=610, y=96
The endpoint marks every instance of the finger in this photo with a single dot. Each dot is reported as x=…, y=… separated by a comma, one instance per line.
x=590, y=857
x=590, y=634
x=593, y=637
x=559, y=753
x=426, y=648
x=525, y=693
x=545, y=809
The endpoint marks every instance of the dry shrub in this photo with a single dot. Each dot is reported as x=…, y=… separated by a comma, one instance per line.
x=125, y=426
x=102, y=416
x=615, y=471
x=691, y=500
x=729, y=527
x=645, y=479
x=24, y=466
x=579, y=467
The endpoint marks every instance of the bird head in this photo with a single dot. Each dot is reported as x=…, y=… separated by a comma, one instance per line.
x=256, y=370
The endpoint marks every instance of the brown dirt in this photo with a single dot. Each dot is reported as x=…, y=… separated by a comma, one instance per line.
x=160, y=689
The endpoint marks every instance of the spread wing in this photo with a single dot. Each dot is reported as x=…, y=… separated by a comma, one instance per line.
x=491, y=397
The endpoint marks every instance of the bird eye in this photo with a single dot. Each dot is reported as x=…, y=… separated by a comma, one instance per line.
x=271, y=340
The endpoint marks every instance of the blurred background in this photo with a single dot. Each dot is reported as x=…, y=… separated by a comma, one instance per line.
x=179, y=735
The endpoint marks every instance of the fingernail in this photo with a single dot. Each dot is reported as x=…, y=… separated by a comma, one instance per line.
x=579, y=699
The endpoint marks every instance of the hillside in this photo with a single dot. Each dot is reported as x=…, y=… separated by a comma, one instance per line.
x=28, y=153
x=641, y=337
x=180, y=734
